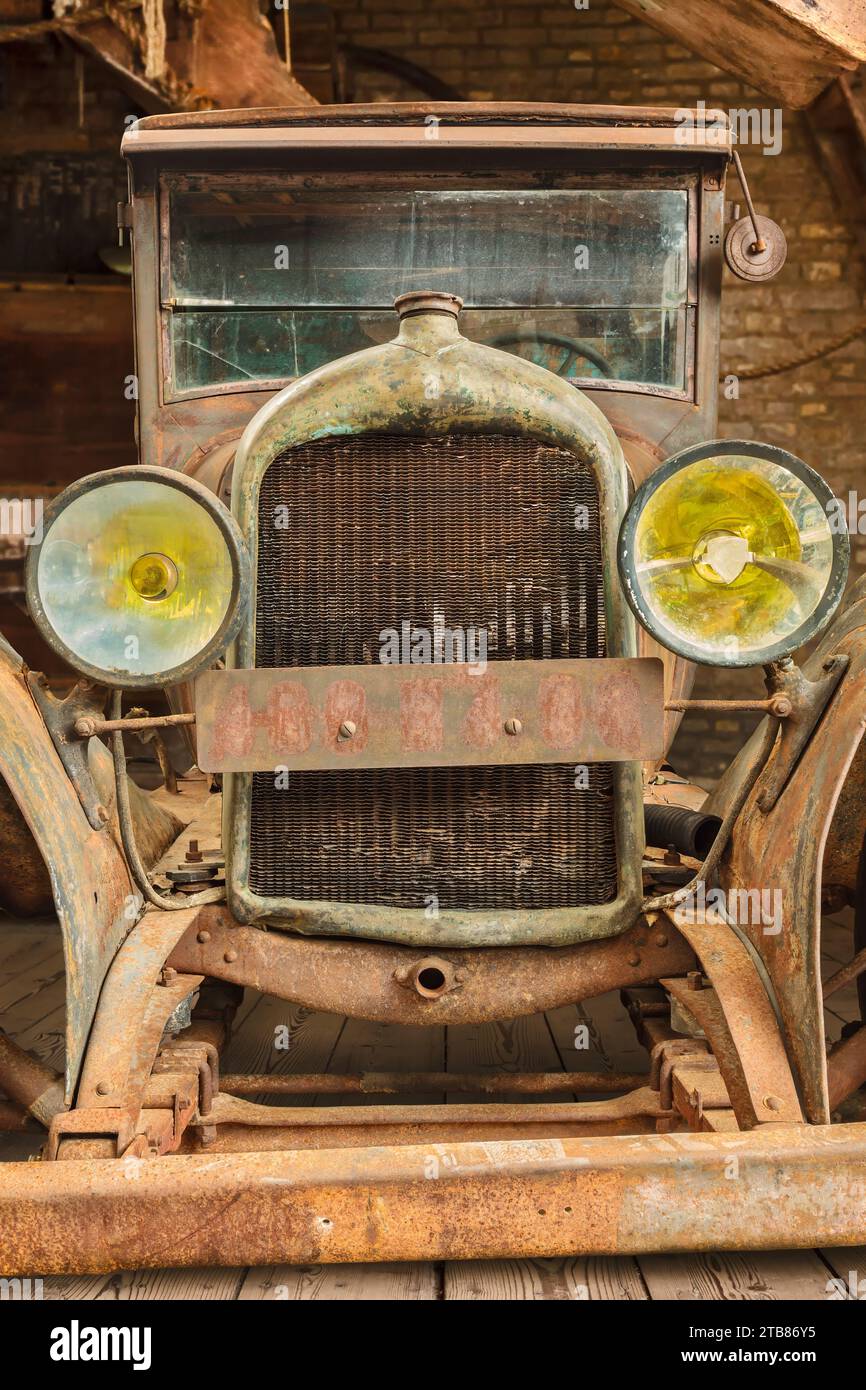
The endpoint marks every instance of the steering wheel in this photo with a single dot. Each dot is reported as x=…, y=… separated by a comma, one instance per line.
x=571, y=347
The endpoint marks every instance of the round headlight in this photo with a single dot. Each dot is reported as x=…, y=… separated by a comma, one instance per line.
x=141, y=577
x=729, y=554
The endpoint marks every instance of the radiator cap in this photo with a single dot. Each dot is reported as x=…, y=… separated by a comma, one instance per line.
x=427, y=302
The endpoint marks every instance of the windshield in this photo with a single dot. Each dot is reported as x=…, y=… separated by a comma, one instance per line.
x=591, y=283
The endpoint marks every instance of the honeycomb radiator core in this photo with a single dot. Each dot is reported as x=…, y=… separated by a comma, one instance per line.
x=492, y=532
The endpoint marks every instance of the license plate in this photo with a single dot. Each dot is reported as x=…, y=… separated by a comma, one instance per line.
x=448, y=715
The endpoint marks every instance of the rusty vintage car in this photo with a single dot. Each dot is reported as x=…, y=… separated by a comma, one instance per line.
x=427, y=430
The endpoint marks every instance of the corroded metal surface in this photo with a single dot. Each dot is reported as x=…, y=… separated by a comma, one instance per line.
x=342, y=717
x=252, y=1138
x=463, y=1201
x=848, y=826
x=132, y=1011
x=29, y=1082
x=781, y=852
x=477, y=389
x=846, y=1068
x=412, y=1120
x=372, y=980
x=749, y=1048
x=93, y=894
x=518, y=582
x=406, y=1082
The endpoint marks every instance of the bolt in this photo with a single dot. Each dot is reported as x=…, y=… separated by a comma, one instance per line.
x=101, y=814
x=347, y=729
x=102, y=1088
x=167, y=975
x=203, y=937
x=230, y=956
x=672, y=855
x=695, y=980
x=194, y=854
x=85, y=728
x=513, y=726
x=781, y=706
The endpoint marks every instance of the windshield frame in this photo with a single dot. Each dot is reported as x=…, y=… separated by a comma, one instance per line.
x=661, y=179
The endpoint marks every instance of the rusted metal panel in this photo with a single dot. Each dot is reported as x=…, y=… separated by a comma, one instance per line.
x=95, y=899
x=781, y=851
x=132, y=1011
x=373, y=980
x=430, y=716
x=426, y=1082
x=748, y=1045
x=493, y=1200
x=243, y=1139
x=479, y=390
x=408, y=1119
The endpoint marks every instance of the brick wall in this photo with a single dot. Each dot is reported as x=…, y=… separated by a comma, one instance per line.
x=553, y=52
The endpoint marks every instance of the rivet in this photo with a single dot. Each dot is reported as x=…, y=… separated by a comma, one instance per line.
x=230, y=956
x=102, y=815
x=513, y=726
x=203, y=937
x=348, y=729
x=102, y=1088
x=634, y=958
x=772, y=1103
x=661, y=939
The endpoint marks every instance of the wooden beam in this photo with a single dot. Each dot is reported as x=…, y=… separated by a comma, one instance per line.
x=788, y=49
x=225, y=57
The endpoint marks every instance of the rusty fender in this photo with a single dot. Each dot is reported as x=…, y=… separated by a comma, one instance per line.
x=798, y=1187
x=380, y=982
x=782, y=850
x=89, y=880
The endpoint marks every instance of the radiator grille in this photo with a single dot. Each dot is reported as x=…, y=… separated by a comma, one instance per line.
x=492, y=532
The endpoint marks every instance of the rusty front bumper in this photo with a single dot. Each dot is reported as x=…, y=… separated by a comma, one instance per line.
x=778, y=1186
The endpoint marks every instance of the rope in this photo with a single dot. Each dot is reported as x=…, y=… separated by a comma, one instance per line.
x=20, y=33
x=787, y=364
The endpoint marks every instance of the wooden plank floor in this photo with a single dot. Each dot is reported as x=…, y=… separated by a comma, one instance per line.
x=32, y=1012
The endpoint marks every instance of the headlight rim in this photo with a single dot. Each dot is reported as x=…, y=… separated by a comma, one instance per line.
x=239, y=597
x=697, y=453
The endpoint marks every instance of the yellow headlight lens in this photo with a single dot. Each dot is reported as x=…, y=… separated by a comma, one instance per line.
x=137, y=578
x=730, y=558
